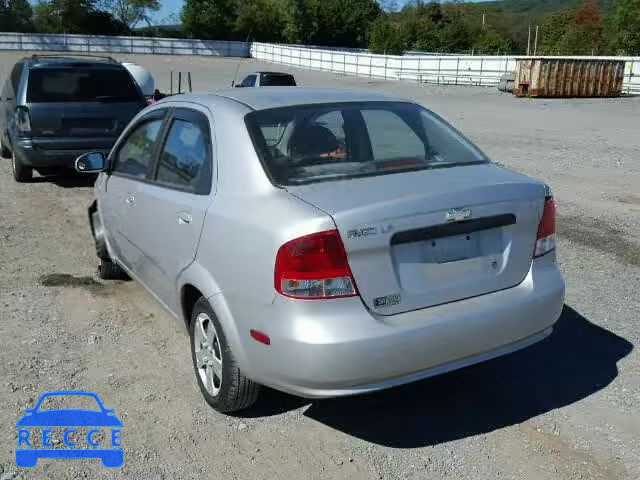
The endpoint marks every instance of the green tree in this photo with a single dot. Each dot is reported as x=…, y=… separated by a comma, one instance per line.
x=386, y=37
x=491, y=42
x=15, y=16
x=625, y=23
x=75, y=16
x=553, y=30
x=130, y=12
x=260, y=19
x=208, y=19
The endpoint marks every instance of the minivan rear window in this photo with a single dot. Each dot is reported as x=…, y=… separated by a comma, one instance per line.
x=277, y=80
x=312, y=143
x=80, y=84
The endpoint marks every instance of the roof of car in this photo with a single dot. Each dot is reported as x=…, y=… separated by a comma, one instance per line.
x=71, y=59
x=273, y=97
x=267, y=72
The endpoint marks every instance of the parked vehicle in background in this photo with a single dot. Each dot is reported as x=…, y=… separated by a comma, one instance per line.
x=268, y=79
x=54, y=108
x=324, y=242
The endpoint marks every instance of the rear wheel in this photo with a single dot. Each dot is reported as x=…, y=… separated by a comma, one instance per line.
x=4, y=151
x=21, y=173
x=222, y=384
x=108, y=270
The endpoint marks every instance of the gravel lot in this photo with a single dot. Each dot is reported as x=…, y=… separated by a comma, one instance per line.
x=567, y=408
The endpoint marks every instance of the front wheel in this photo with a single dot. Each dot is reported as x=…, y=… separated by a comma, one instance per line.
x=222, y=384
x=21, y=173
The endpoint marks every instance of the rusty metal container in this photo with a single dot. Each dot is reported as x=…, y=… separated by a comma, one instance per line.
x=568, y=77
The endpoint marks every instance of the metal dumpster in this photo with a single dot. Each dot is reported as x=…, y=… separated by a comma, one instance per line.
x=568, y=77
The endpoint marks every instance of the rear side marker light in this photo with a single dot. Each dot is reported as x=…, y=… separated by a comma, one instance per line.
x=546, y=239
x=314, y=267
x=260, y=337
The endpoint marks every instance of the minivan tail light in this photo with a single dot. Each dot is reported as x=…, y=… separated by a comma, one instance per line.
x=314, y=267
x=23, y=120
x=546, y=240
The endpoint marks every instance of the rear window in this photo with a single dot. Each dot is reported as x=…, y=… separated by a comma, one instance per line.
x=80, y=85
x=306, y=144
x=271, y=80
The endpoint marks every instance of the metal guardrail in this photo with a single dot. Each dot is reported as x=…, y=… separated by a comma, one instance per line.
x=443, y=69
x=99, y=44
x=448, y=69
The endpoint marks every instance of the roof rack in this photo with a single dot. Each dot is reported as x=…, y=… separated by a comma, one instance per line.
x=71, y=55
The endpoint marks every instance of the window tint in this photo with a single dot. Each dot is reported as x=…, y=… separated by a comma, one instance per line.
x=135, y=156
x=250, y=81
x=80, y=85
x=184, y=160
x=271, y=80
x=338, y=141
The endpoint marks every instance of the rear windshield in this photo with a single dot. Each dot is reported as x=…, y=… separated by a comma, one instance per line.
x=305, y=144
x=81, y=84
x=271, y=80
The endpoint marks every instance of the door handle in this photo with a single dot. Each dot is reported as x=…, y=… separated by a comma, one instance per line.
x=184, y=218
x=131, y=199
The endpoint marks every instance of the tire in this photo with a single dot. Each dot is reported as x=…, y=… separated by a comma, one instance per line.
x=233, y=391
x=108, y=270
x=4, y=151
x=21, y=173
x=101, y=246
x=510, y=88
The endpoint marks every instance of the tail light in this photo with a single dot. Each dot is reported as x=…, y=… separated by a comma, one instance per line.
x=314, y=267
x=23, y=120
x=546, y=240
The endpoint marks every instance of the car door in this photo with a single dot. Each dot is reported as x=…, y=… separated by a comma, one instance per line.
x=175, y=202
x=130, y=165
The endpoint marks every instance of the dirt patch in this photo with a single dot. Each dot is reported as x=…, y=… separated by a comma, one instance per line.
x=66, y=280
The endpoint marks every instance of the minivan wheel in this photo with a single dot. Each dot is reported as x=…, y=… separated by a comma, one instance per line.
x=21, y=173
x=222, y=384
x=108, y=270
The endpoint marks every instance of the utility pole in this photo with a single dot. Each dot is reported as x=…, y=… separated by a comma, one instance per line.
x=529, y=42
x=483, y=15
x=535, y=45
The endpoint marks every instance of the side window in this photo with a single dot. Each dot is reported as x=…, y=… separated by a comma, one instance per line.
x=16, y=73
x=135, y=155
x=391, y=137
x=185, y=157
x=250, y=81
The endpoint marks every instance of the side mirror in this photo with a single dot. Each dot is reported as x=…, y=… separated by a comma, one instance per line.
x=239, y=85
x=91, y=162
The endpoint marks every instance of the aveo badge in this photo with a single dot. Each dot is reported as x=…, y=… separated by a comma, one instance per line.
x=69, y=433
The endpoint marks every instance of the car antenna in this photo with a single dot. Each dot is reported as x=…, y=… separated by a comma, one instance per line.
x=233, y=82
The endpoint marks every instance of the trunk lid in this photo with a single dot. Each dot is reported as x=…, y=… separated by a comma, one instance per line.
x=86, y=119
x=419, y=239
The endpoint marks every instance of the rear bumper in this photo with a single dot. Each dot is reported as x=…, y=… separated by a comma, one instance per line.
x=58, y=152
x=337, y=348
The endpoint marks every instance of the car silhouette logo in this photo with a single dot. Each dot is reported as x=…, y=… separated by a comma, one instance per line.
x=67, y=419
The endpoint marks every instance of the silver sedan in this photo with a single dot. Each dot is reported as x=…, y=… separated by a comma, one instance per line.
x=324, y=242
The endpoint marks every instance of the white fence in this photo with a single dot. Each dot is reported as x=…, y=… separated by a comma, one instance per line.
x=445, y=69
x=98, y=44
x=442, y=69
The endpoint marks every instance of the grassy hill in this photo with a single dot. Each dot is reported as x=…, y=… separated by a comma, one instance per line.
x=543, y=7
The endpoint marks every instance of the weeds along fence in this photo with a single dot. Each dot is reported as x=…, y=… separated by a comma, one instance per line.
x=443, y=69
x=439, y=69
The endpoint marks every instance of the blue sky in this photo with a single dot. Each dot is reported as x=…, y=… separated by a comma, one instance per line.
x=173, y=6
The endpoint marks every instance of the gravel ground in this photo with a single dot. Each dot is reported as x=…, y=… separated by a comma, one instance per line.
x=566, y=408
